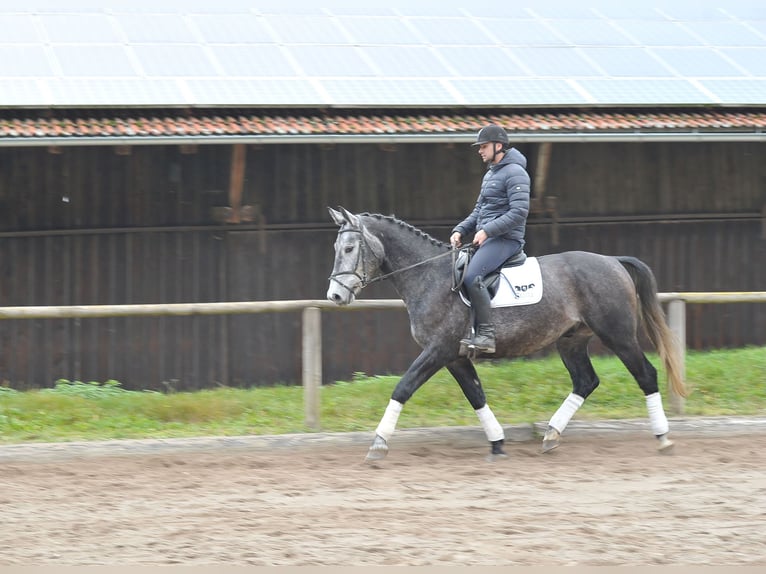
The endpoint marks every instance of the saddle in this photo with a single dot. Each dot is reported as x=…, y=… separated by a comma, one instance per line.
x=491, y=281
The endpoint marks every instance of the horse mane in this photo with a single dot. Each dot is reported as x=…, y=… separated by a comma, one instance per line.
x=410, y=228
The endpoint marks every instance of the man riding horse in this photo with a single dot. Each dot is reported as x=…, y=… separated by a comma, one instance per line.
x=498, y=221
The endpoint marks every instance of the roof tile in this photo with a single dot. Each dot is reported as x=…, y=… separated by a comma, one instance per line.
x=163, y=123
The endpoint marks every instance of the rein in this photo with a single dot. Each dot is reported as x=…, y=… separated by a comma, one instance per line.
x=418, y=264
x=361, y=255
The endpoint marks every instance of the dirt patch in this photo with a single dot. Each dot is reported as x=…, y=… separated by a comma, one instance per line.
x=595, y=501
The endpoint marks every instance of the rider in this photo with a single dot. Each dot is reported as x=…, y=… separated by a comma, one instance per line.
x=498, y=222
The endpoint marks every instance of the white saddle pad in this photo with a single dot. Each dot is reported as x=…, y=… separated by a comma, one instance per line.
x=520, y=285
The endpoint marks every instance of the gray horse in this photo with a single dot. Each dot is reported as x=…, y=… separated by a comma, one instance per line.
x=585, y=294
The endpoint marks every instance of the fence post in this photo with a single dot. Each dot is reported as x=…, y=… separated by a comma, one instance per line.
x=312, y=365
x=677, y=322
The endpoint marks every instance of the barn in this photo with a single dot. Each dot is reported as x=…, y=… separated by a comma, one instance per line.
x=186, y=151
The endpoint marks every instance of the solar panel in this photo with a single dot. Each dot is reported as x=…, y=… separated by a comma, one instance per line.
x=83, y=60
x=643, y=11
x=450, y=31
x=232, y=28
x=23, y=60
x=753, y=60
x=643, y=91
x=621, y=62
x=404, y=61
x=689, y=10
x=590, y=33
x=155, y=28
x=18, y=28
x=388, y=92
x=485, y=61
x=261, y=60
x=23, y=92
x=696, y=62
x=519, y=92
x=365, y=31
x=652, y=33
x=174, y=60
x=79, y=92
x=393, y=53
x=563, y=62
x=331, y=61
x=518, y=32
x=79, y=28
x=560, y=9
x=724, y=33
x=254, y=92
x=737, y=92
x=356, y=8
x=746, y=9
x=295, y=29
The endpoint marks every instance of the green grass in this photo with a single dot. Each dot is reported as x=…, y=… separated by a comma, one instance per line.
x=725, y=382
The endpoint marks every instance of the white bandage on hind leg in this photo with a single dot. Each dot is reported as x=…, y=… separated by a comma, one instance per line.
x=492, y=428
x=657, y=416
x=568, y=408
x=388, y=422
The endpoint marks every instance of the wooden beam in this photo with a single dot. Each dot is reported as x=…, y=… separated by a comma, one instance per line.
x=237, y=181
x=541, y=169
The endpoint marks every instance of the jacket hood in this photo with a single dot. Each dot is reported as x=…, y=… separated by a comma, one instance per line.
x=513, y=156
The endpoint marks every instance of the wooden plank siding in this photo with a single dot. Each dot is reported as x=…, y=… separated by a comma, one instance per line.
x=90, y=226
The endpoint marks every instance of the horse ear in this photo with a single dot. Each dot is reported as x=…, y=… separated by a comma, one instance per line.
x=337, y=216
x=350, y=217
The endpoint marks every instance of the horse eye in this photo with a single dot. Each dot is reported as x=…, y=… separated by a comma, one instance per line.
x=348, y=249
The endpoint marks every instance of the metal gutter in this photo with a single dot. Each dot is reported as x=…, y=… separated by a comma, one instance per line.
x=521, y=137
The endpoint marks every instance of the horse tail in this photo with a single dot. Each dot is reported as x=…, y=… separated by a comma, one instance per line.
x=653, y=319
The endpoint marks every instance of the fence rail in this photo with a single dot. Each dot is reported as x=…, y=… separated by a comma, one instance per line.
x=312, y=326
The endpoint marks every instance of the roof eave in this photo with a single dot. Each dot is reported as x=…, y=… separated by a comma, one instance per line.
x=462, y=138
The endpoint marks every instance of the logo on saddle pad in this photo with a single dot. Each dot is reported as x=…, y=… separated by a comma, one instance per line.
x=518, y=285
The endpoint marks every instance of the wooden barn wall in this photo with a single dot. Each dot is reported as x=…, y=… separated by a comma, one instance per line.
x=102, y=225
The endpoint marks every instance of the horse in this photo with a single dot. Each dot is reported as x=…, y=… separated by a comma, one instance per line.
x=585, y=294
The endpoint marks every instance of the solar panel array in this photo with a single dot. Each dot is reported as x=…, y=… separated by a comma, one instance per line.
x=398, y=53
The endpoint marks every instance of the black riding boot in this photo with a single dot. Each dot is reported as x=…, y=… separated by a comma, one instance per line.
x=484, y=331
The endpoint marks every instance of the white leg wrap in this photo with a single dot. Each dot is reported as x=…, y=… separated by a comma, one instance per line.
x=657, y=416
x=568, y=408
x=388, y=422
x=492, y=428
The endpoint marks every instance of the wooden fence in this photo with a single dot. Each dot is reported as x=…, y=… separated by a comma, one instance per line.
x=312, y=324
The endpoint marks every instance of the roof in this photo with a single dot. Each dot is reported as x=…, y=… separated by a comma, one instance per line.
x=391, y=126
x=397, y=53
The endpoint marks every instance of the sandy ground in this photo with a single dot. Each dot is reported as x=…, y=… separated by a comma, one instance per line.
x=597, y=500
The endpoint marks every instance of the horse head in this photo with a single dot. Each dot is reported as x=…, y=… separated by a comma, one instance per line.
x=358, y=257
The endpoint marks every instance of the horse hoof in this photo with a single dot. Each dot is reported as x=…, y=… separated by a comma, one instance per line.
x=666, y=445
x=378, y=450
x=496, y=451
x=551, y=439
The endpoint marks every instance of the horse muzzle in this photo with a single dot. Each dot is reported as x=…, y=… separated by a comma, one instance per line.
x=340, y=294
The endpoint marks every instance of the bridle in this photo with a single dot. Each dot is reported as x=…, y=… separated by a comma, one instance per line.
x=361, y=255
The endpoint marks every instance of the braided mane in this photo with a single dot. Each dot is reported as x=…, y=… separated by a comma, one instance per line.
x=411, y=228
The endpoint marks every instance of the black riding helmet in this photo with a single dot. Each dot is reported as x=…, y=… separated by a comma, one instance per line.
x=492, y=133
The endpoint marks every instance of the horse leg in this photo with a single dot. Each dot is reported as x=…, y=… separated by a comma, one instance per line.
x=573, y=349
x=465, y=374
x=645, y=374
x=422, y=369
